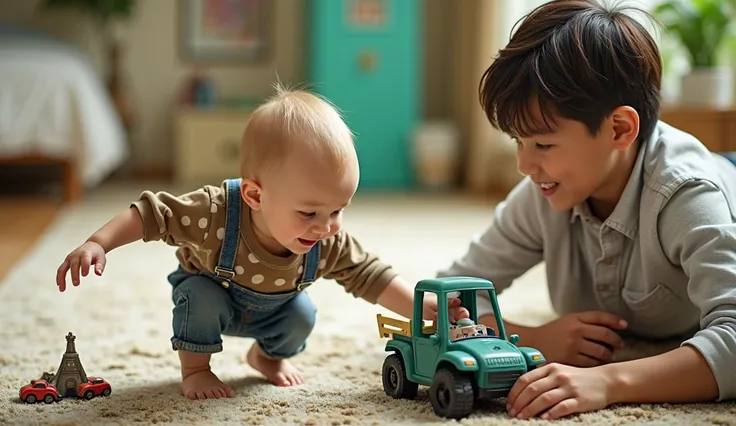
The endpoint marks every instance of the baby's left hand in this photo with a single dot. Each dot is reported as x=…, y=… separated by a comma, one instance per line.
x=456, y=311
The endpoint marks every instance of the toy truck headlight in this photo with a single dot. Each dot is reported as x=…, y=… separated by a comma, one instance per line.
x=536, y=357
x=469, y=363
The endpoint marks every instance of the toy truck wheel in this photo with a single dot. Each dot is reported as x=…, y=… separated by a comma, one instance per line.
x=395, y=382
x=31, y=399
x=452, y=394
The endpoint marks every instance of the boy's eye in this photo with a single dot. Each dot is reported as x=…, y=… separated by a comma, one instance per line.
x=336, y=212
x=542, y=146
x=306, y=214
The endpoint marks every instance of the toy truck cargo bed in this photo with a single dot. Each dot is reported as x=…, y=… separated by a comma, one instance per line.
x=395, y=328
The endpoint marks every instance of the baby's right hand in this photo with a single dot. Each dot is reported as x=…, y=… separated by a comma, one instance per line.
x=84, y=256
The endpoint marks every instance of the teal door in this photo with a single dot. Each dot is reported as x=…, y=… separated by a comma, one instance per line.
x=364, y=57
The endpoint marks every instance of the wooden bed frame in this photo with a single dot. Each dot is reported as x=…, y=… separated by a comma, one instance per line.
x=73, y=187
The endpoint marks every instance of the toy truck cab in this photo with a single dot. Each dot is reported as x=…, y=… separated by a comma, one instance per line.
x=459, y=362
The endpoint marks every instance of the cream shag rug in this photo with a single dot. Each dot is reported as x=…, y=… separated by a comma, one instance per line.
x=122, y=324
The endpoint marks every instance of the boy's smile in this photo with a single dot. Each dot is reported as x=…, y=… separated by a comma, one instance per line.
x=547, y=188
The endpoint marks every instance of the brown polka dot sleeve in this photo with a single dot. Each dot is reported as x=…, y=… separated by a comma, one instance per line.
x=362, y=273
x=176, y=220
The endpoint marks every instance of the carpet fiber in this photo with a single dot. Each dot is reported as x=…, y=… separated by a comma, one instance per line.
x=122, y=323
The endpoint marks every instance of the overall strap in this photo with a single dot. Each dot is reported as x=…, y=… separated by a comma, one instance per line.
x=226, y=264
x=311, y=263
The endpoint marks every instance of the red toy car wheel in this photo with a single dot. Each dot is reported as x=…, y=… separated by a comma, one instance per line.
x=89, y=394
x=48, y=398
x=31, y=398
x=106, y=392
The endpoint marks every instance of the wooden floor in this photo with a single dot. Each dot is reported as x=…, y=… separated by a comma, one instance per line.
x=22, y=221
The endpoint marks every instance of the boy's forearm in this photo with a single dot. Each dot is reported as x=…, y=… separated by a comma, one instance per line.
x=124, y=228
x=398, y=297
x=678, y=376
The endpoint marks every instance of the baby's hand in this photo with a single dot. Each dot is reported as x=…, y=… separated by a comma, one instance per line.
x=455, y=310
x=84, y=256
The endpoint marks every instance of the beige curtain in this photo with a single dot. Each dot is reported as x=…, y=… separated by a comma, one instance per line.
x=482, y=28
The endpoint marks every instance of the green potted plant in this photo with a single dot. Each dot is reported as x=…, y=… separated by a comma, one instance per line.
x=104, y=13
x=705, y=30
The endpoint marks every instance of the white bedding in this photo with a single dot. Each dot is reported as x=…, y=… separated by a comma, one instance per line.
x=54, y=103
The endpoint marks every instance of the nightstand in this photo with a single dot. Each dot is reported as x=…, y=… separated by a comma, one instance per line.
x=207, y=144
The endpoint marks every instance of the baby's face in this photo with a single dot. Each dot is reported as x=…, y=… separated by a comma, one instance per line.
x=303, y=203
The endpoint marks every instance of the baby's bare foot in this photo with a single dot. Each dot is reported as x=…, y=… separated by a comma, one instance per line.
x=205, y=385
x=278, y=371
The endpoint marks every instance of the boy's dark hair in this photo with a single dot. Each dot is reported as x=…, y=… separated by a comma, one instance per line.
x=580, y=61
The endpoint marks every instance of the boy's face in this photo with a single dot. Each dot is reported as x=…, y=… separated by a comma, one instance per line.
x=301, y=203
x=569, y=165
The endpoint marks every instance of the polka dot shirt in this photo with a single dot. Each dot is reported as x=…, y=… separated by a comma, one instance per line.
x=195, y=223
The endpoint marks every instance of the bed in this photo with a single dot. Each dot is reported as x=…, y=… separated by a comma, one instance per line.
x=55, y=109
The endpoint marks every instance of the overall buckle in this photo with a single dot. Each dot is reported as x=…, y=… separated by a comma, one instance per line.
x=220, y=272
x=301, y=286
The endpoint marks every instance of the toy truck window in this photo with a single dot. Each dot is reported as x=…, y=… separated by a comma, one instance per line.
x=467, y=329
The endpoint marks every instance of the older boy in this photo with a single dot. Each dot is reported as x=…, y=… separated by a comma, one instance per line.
x=633, y=218
x=249, y=247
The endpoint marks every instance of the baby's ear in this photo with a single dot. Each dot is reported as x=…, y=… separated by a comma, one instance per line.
x=250, y=190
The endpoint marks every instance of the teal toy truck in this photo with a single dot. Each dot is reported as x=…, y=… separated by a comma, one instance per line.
x=460, y=362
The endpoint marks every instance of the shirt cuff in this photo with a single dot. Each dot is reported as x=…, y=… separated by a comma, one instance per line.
x=381, y=282
x=151, y=230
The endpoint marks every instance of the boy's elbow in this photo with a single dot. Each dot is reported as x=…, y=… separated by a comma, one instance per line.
x=716, y=342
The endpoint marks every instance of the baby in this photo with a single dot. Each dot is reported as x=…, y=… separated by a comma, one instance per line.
x=250, y=247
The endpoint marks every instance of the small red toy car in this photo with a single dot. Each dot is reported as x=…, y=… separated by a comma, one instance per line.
x=95, y=386
x=39, y=390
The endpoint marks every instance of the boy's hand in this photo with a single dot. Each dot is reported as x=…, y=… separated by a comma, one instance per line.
x=584, y=339
x=83, y=257
x=455, y=310
x=554, y=390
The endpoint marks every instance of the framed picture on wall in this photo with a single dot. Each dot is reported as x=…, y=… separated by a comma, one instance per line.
x=224, y=31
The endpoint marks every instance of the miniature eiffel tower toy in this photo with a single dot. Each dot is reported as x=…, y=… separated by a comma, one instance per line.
x=70, y=373
x=70, y=379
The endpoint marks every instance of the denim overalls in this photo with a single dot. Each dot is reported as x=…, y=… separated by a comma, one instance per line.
x=207, y=305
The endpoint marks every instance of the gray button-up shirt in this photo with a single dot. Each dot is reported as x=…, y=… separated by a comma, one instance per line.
x=665, y=259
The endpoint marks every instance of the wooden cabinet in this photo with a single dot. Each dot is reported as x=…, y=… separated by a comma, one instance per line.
x=207, y=144
x=716, y=129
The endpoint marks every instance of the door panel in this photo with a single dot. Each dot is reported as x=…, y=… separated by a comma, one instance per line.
x=370, y=71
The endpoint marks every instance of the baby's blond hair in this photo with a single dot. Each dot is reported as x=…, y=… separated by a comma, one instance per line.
x=290, y=118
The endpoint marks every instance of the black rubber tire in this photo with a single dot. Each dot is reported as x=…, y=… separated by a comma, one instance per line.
x=48, y=398
x=395, y=382
x=89, y=394
x=31, y=399
x=452, y=394
x=106, y=392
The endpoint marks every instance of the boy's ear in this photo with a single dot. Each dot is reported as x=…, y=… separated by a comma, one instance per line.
x=625, y=122
x=250, y=190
